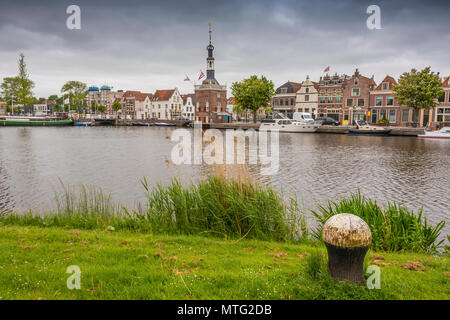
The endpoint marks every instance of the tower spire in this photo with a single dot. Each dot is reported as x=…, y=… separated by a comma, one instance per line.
x=210, y=59
x=210, y=40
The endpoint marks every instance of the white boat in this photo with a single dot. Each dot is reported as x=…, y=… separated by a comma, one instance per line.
x=281, y=123
x=443, y=133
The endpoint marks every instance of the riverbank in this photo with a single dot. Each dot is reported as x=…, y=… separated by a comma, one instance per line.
x=138, y=265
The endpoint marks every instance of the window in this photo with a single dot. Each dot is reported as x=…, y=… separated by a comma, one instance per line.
x=349, y=102
x=292, y=101
x=390, y=101
x=338, y=99
x=405, y=115
x=306, y=97
x=307, y=110
x=355, y=92
x=383, y=113
x=356, y=81
x=360, y=102
x=330, y=99
x=385, y=85
x=378, y=101
x=322, y=99
x=307, y=90
x=283, y=90
x=281, y=102
x=448, y=95
x=441, y=97
x=392, y=116
x=346, y=116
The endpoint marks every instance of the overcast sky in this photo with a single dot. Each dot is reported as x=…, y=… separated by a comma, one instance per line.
x=149, y=45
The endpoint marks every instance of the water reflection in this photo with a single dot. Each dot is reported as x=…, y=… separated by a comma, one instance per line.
x=314, y=167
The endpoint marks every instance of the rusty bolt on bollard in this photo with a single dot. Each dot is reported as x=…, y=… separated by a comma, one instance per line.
x=347, y=238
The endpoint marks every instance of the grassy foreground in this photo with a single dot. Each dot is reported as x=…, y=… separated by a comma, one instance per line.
x=138, y=265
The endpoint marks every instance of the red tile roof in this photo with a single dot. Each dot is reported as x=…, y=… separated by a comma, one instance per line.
x=137, y=95
x=162, y=95
x=446, y=82
x=388, y=79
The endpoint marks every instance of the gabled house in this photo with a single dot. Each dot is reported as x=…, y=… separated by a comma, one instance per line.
x=284, y=100
x=188, y=110
x=166, y=104
x=383, y=105
x=307, y=98
x=356, y=93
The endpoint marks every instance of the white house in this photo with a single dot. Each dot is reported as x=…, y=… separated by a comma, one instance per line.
x=166, y=104
x=307, y=97
x=188, y=110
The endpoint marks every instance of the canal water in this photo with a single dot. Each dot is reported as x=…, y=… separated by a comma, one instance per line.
x=313, y=167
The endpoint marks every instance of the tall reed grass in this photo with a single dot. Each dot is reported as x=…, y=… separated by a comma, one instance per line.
x=221, y=206
x=394, y=228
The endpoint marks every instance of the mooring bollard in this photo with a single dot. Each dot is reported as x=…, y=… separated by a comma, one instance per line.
x=347, y=238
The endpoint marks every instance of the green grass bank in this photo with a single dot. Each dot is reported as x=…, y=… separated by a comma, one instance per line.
x=136, y=265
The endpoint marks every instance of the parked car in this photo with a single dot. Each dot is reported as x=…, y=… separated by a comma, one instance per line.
x=327, y=121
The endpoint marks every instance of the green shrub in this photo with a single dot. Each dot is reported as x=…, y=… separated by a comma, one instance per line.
x=394, y=228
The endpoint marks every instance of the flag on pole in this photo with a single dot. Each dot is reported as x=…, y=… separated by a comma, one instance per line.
x=201, y=75
x=187, y=78
x=327, y=69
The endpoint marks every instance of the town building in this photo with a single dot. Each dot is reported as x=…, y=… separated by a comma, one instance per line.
x=285, y=97
x=441, y=113
x=188, y=110
x=331, y=90
x=384, y=106
x=356, y=93
x=103, y=96
x=210, y=96
x=136, y=105
x=307, y=97
x=3, y=108
x=166, y=104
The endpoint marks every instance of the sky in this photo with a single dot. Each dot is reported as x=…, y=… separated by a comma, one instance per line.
x=150, y=45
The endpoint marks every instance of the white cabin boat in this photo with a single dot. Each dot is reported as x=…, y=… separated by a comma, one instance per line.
x=281, y=123
x=443, y=133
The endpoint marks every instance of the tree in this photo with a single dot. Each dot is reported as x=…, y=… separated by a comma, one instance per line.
x=9, y=88
x=252, y=94
x=116, y=106
x=24, y=94
x=418, y=90
x=76, y=91
x=101, y=108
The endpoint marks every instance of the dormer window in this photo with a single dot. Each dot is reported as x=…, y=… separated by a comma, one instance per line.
x=283, y=90
x=385, y=85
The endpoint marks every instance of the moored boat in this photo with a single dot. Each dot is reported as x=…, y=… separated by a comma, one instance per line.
x=83, y=124
x=443, y=133
x=362, y=127
x=33, y=122
x=283, y=124
x=141, y=124
x=165, y=124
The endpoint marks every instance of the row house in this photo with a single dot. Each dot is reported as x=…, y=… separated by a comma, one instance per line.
x=383, y=105
x=356, y=96
x=441, y=113
x=136, y=105
x=188, y=110
x=3, y=108
x=331, y=90
x=166, y=104
x=285, y=97
x=307, y=97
